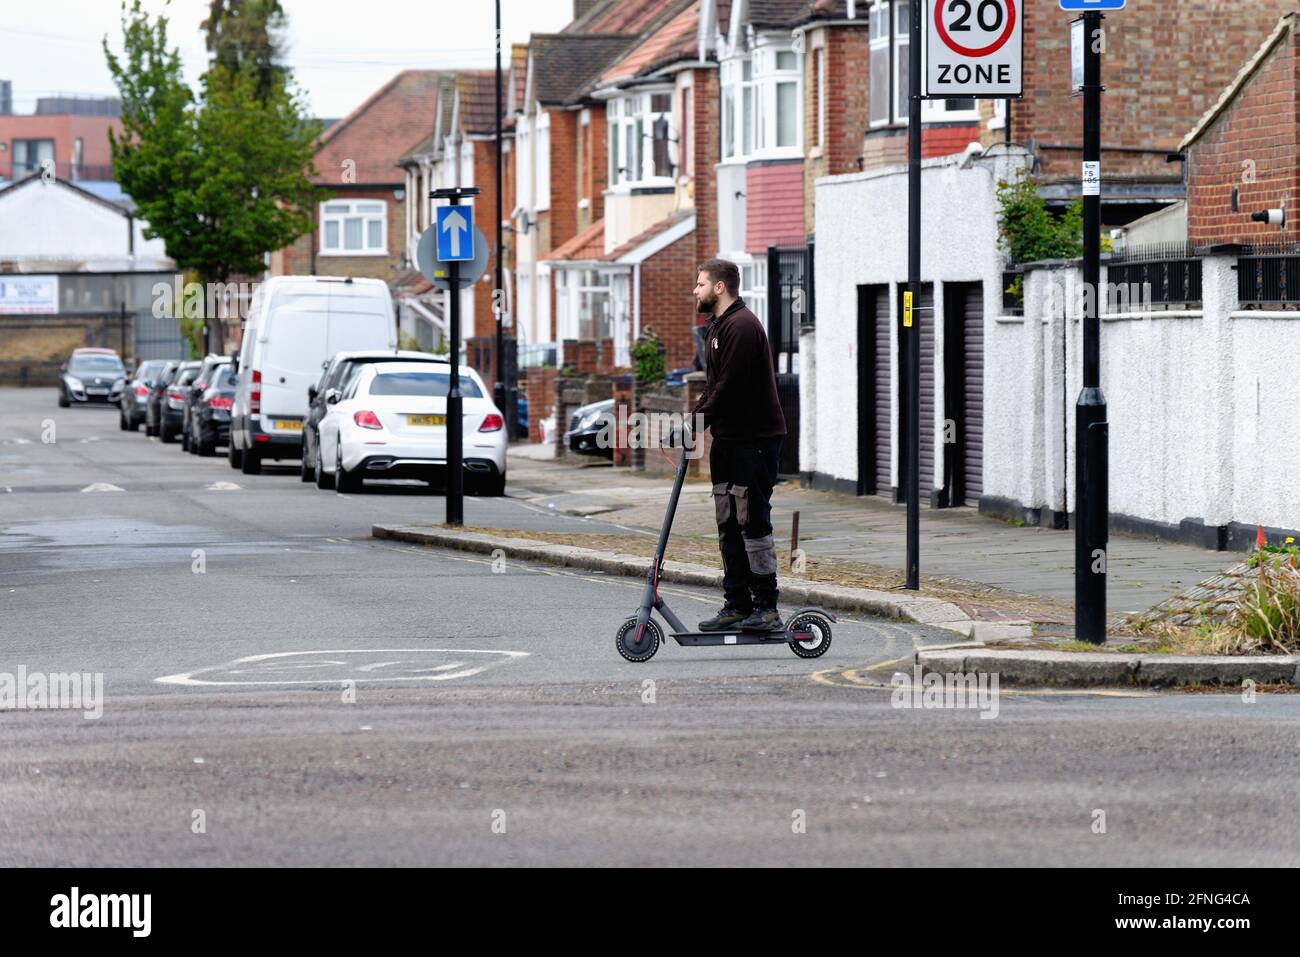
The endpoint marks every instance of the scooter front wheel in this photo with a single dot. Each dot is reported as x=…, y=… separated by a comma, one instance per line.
x=810, y=635
x=636, y=647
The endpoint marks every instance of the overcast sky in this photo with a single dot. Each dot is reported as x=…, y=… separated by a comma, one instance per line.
x=340, y=50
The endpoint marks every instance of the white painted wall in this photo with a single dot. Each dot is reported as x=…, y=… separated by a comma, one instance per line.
x=1200, y=402
x=54, y=223
x=862, y=240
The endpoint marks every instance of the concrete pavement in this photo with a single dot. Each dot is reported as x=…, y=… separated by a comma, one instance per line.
x=480, y=698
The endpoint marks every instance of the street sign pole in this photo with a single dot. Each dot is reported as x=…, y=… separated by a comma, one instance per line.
x=459, y=231
x=498, y=297
x=912, y=317
x=1091, y=452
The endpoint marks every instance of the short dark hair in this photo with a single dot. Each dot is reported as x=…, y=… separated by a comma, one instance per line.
x=720, y=270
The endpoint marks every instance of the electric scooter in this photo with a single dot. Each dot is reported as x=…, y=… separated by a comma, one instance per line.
x=807, y=631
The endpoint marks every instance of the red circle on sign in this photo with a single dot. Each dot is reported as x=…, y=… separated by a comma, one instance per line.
x=960, y=50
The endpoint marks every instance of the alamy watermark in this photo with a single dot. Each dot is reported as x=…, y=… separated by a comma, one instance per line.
x=975, y=691
x=196, y=300
x=57, y=691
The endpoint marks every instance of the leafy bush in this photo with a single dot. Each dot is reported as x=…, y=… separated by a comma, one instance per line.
x=648, y=359
x=1032, y=232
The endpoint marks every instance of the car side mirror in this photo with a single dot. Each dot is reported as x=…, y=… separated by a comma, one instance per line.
x=64, y=367
x=332, y=397
x=311, y=393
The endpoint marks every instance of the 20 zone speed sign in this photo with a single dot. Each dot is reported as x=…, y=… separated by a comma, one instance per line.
x=974, y=48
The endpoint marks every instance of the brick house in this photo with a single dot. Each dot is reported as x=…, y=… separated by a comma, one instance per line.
x=559, y=166
x=1244, y=154
x=71, y=134
x=634, y=267
x=360, y=231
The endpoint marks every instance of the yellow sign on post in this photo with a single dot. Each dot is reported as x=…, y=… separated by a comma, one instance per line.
x=907, y=309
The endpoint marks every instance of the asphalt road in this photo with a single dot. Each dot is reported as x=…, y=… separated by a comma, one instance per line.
x=278, y=688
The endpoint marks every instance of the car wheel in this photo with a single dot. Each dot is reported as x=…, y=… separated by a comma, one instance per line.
x=251, y=463
x=233, y=455
x=132, y=424
x=63, y=400
x=345, y=481
x=305, y=471
x=165, y=434
x=206, y=448
x=121, y=421
x=185, y=439
x=494, y=486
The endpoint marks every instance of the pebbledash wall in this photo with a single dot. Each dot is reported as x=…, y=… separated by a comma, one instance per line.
x=1201, y=401
x=1201, y=406
x=862, y=240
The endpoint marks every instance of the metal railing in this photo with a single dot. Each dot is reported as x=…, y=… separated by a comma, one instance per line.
x=1164, y=274
x=1269, y=275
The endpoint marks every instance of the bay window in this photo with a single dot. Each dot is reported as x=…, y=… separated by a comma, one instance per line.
x=761, y=104
x=632, y=121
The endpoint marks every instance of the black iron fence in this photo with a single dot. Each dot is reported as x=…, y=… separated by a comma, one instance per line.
x=1160, y=274
x=1269, y=275
x=790, y=309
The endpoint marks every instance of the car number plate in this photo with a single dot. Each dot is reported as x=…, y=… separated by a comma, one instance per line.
x=288, y=425
x=426, y=420
x=93, y=391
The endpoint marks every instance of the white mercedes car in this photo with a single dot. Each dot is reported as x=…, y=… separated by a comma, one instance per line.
x=389, y=421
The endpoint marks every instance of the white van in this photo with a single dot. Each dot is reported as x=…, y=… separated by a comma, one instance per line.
x=295, y=324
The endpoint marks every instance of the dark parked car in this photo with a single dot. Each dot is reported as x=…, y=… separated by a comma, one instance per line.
x=158, y=395
x=585, y=428
x=333, y=378
x=134, y=405
x=210, y=413
x=172, y=407
x=207, y=370
x=91, y=375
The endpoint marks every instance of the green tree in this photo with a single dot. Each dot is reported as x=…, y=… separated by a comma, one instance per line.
x=222, y=178
x=247, y=35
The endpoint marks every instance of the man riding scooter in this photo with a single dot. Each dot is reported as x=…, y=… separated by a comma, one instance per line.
x=740, y=405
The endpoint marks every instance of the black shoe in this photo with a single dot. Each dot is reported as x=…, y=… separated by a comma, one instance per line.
x=763, y=619
x=729, y=617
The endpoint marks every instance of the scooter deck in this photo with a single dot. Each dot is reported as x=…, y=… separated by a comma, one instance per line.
x=699, y=638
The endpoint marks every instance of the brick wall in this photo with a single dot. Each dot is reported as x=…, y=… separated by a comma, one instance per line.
x=1161, y=75
x=540, y=389
x=667, y=299
x=1254, y=147
x=485, y=214
x=564, y=178
x=846, y=53
x=704, y=134
x=296, y=260
x=774, y=205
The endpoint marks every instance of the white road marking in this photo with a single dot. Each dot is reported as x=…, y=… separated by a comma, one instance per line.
x=102, y=487
x=223, y=487
x=187, y=678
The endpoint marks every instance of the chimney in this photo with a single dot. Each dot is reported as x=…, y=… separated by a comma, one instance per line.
x=6, y=97
x=582, y=7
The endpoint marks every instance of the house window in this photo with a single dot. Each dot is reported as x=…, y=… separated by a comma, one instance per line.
x=687, y=152
x=964, y=110
x=29, y=155
x=593, y=305
x=353, y=228
x=889, y=69
x=634, y=120
x=753, y=287
x=766, y=86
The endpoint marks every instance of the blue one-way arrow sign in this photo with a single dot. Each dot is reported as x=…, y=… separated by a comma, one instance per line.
x=1083, y=6
x=455, y=233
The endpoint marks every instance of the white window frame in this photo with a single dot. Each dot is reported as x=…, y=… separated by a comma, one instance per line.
x=624, y=115
x=542, y=146
x=339, y=218
x=768, y=77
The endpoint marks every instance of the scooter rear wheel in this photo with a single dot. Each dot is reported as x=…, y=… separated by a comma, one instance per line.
x=638, y=650
x=819, y=630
